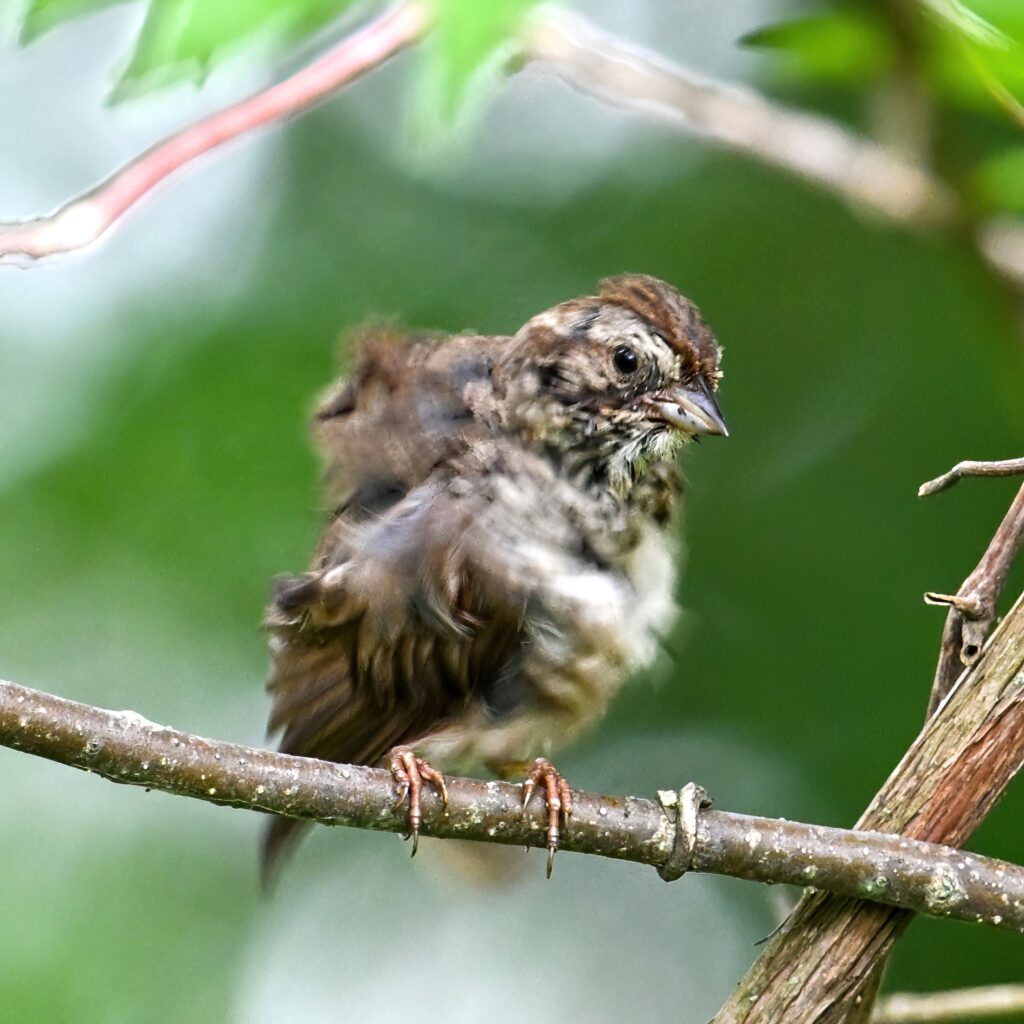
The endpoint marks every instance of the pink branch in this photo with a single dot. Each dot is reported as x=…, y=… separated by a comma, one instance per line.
x=84, y=219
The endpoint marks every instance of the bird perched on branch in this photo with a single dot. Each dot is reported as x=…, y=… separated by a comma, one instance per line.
x=501, y=554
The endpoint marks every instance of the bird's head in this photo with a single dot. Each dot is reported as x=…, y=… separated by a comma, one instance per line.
x=617, y=380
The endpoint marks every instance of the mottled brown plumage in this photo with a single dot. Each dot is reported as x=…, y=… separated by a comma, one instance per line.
x=501, y=554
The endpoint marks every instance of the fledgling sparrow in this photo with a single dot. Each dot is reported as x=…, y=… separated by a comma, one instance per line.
x=501, y=556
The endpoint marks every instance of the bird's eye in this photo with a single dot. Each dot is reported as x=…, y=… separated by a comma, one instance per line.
x=625, y=359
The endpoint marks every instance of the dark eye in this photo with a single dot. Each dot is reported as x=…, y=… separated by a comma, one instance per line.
x=625, y=359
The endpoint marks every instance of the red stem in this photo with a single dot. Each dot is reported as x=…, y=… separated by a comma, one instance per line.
x=86, y=218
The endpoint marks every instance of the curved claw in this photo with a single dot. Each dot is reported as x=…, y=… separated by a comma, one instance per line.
x=436, y=779
x=528, y=787
x=409, y=773
x=557, y=796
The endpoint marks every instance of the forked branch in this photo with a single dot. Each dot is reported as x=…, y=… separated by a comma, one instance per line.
x=124, y=747
x=973, y=608
x=824, y=965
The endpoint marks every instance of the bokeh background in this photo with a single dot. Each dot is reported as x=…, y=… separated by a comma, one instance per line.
x=155, y=473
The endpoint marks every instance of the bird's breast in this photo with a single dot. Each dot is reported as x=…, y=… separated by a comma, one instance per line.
x=651, y=570
x=592, y=619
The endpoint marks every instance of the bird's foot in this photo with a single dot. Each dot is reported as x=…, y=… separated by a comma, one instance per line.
x=410, y=772
x=558, y=797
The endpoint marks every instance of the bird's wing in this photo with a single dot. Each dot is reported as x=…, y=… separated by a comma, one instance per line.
x=403, y=409
x=391, y=635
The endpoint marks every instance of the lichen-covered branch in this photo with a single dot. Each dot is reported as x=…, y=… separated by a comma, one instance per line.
x=817, y=965
x=124, y=747
x=972, y=612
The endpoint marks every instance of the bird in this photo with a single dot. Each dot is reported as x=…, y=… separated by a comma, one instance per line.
x=501, y=555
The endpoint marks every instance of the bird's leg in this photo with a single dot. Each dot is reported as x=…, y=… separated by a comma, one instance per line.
x=409, y=773
x=558, y=797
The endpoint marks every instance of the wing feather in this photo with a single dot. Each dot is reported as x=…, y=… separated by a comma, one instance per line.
x=391, y=643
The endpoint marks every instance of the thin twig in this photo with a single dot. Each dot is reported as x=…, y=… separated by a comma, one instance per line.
x=822, y=959
x=963, y=1004
x=83, y=220
x=124, y=747
x=1004, y=467
x=972, y=609
x=815, y=148
x=870, y=176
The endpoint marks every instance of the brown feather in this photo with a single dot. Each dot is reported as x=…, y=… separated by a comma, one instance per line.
x=404, y=656
x=675, y=318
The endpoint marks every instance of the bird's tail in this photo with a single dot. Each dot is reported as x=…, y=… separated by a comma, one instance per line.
x=280, y=837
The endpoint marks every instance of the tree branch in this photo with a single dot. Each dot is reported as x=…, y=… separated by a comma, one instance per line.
x=956, y=1005
x=972, y=609
x=857, y=169
x=819, y=962
x=821, y=151
x=1005, y=467
x=124, y=747
x=863, y=172
x=83, y=220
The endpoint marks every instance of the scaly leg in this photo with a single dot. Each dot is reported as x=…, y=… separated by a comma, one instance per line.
x=558, y=797
x=409, y=773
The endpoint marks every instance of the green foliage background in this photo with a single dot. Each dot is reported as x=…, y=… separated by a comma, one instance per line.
x=136, y=552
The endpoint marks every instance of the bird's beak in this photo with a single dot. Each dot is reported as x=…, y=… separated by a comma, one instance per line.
x=692, y=409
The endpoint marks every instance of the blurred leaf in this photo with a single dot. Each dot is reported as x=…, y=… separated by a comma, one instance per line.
x=184, y=38
x=966, y=18
x=849, y=45
x=469, y=37
x=1006, y=16
x=999, y=181
x=978, y=69
x=43, y=15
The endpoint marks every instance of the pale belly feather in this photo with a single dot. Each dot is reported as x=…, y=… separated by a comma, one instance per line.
x=589, y=630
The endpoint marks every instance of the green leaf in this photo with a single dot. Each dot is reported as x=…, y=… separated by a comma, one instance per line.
x=965, y=19
x=469, y=39
x=978, y=63
x=999, y=181
x=1006, y=16
x=184, y=38
x=845, y=45
x=43, y=15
